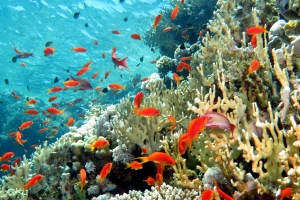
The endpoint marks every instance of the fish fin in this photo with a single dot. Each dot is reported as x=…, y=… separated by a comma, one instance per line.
x=143, y=159
x=127, y=165
x=25, y=187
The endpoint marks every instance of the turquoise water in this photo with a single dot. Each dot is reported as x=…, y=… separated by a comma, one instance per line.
x=28, y=25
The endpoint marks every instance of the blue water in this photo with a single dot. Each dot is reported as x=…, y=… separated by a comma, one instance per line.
x=28, y=25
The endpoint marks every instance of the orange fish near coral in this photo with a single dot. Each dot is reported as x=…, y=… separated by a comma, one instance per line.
x=157, y=20
x=221, y=193
x=7, y=156
x=136, y=36
x=150, y=181
x=55, y=111
x=42, y=130
x=253, y=41
x=207, y=195
x=71, y=83
x=138, y=100
x=49, y=51
x=82, y=179
x=31, y=112
x=147, y=112
x=286, y=192
x=158, y=157
x=177, y=78
x=159, y=181
x=25, y=125
x=31, y=102
x=18, y=137
x=167, y=29
x=5, y=167
x=254, y=66
x=256, y=30
x=116, y=86
x=183, y=65
x=99, y=144
x=79, y=49
x=71, y=121
x=106, y=74
x=134, y=165
x=83, y=71
x=173, y=122
x=55, y=89
x=52, y=98
x=174, y=12
x=117, y=61
x=105, y=171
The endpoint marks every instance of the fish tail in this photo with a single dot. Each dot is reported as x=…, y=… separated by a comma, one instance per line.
x=62, y=111
x=25, y=187
x=127, y=165
x=136, y=112
x=0, y=159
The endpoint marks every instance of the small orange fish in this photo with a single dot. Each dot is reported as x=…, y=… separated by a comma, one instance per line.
x=70, y=121
x=144, y=150
x=45, y=122
x=186, y=37
x=286, y=192
x=33, y=146
x=207, y=195
x=173, y=122
x=157, y=20
x=42, y=130
x=7, y=156
x=221, y=193
x=55, y=111
x=18, y=137
x=55, y=89
x=103, y=54
x=49, y=51
x=158, y=157
x=134, y=165
x=87, y=64
x=150, y=181
x=21, y=142
x=25, y=125
x=94, y=100
x=184, y=31
x=153, y=61
x=106, y=74
x=138, y=100
x=5, y=167
x=12, y=134
x=177, y=78
x=256, y=30
x=52, y=98
x=55, y=104
x=253, y=41
x=31, y=112
x=200, y=34
x=183, y=65
x=116, y=86
x=30, y=102
x=81, y=115
x=159, y=181
x=254, y=66
x=82, y=179
x=174, y=12
x=114, y=49
x=83, y=71
x=95, y=42
x=186, y=58
x=145, y=79
x=116, y=32
x=105, y=171
x=160, y=168
x=95, y=75
x=167, y=29
x=99, y=144
x=16, y=97
x=194, y=128
x=79, y=49
x=147, y=112
x=69, y=104
x=136, y=36
x=23, y=64
x=71, y=83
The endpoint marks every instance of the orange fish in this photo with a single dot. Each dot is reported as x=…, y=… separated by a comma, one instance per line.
x=42, y=130
x=99, y=144
x=256, y=30
x=147, y=112
x=82, y=179
x=175, y=12
x=158, y=157
x=21, y=142
x=159, y=181
x=55, y=111
x=106, y=74
x=49, y=51
x=184, y=31
x=5, y=167
x=79, y=49
x=134, y=165
x=207, y=195
x=23, y=64
x=31, y=112
x=116, y=86
x=138, y=100
x=25, y=125
x=95, y=75
x=94, y=100
x=55, y=104
x=81, y=115
x=167, y=29
x=135, y=36
x=186, y=58
x=69, y=104
x=160, y=168
x=16, y=97
x=173, y=122
x=71, y=83
x=182, y=143
x=200, y=34
x=95, y=42
x=253, y=41
x=144, y=150
x=30, y=102
x=153, y=61
x=12, y=134
x=183, y=65
x=52, y=98
x=83, y=71
x=114, y=49
x=157, y=20
x=105, y=171
x=70, y=121
x=177, y=78
x=17, y=50
x=87, y=64
x=45, y=122
x=145, y=79
x=195, y=127
x=18, y=137
x=7, y=156
x=103, y=55
x=33, y=146
x=116, y=32
x=33, y=181
x=286, y=192
x=221, y=193
x=150, y=181
x=55, y=89
x=254, y=66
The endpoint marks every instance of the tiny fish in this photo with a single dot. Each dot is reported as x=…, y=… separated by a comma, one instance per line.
x=138, y=65
x=121, y=1
x=153, y=49
x=28, y=88
x=48, y=44
x=14, y=59
x=86, y=25
x=55, y=80
x=121, y=75
x=68, y=70
x=6, y=81
x=125, y=19
x=142, y=59
x=76, y=15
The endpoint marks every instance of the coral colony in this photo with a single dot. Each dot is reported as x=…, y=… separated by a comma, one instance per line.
x=229, y=130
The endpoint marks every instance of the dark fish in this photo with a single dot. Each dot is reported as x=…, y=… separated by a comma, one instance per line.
x=290, y=15
x=14, y=59
x=85, y=85
x=125, y=19
x=182, y=46
x=67, y=79
x=122, y=1
x=138, y=65
x=28, y=88
x=153, y=49
x=27, y=98
x=68, y=70
x=48, y=44
x=190, y=26
x=77, y=100
x=76, y=15
x=142, y=59
x=6, y=81
x=55, y=80
x=62, y=124
x=24, y=55
x=105, y=90
x=121, y=75
x=86, y=25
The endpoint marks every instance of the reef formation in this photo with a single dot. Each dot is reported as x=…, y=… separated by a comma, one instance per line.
x=259, y=159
